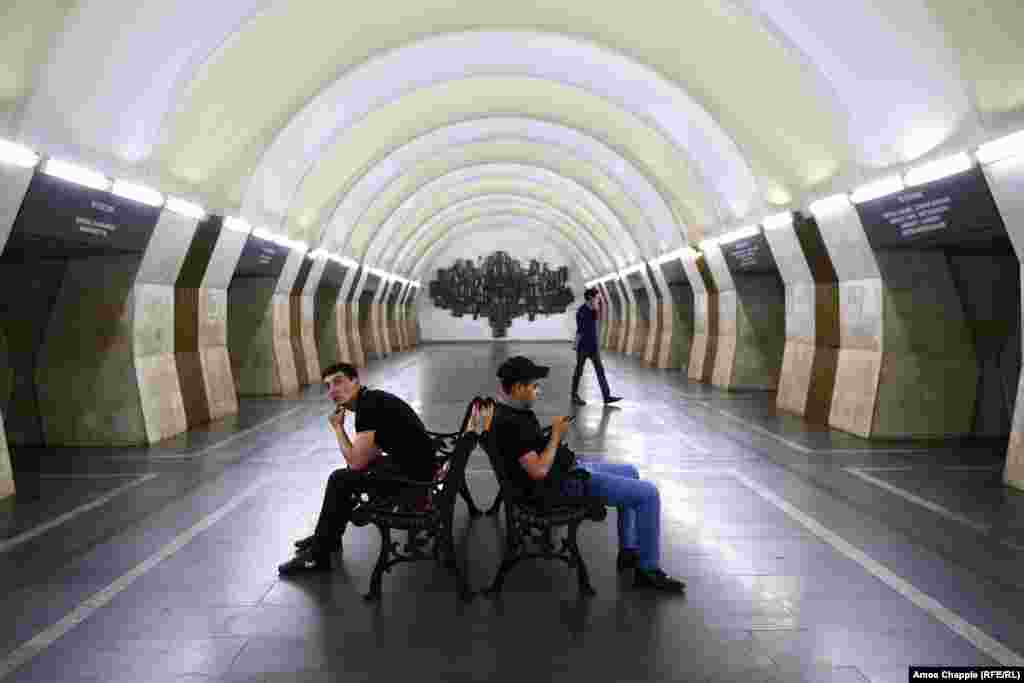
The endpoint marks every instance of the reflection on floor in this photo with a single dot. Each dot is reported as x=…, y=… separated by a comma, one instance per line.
x=809, y=554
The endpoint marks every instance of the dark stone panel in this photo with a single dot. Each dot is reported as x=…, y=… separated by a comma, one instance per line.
x=200, y=251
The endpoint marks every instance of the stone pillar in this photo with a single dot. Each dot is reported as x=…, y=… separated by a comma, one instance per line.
x=14, y=183
x=1006, y=180
x=631, y=338
x=348, y=329
x=605, y=317
x=621, y=315
x=398, y=317
x=332, y=345
x=413, y=317
x=704, y=349
x=359, y=344
x=653, y=336
x=906, y=364
x=675, y=332
x=304, y=320
x=366, y=298
x=259, y=320
x=107, y=374
x=380, y=315
x=812, y=319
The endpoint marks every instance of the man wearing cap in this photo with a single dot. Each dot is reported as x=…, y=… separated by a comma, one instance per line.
x=384, y=424
x=530, y=459
x=587, y=347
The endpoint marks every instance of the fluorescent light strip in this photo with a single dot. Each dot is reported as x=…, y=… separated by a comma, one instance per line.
x=237, y=225
x=632, y=269
x=926, y=173
x=76, y=174
x=17, y=155
x=738, y=234
x=137, y=193
x=829, y=204
x=779, y=220
x=187, y=209
x=877, y=189
x=1001, y=148
x=320, y=253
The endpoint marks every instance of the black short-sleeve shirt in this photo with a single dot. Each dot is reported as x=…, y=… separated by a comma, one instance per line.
x=399, y=432
x=516, y=433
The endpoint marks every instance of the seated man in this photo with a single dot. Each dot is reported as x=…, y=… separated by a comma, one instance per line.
x=384, y=423
x=531, y=459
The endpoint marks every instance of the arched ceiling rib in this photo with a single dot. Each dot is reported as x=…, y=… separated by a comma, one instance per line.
x=498, y=225
x=393, y=223
x=380, y=191
x=477, y=207
x=805, y=91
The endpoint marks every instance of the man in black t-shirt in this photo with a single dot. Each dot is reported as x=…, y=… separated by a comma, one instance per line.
x=390, y=437
x=533, y=462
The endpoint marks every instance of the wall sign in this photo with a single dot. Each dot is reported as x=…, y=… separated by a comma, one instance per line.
x=501, y=289
x=261, y=258
x=749, y=255
x=57, y=213
x=674, y=272
x=954, y=209
x=334, y=275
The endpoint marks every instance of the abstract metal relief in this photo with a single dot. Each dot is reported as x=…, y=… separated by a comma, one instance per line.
x=500, y=289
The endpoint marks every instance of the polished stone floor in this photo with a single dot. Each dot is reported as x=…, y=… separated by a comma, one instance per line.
x=809, y=555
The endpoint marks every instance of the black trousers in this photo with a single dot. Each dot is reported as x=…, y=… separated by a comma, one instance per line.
x=343, y=487
x=595, y=358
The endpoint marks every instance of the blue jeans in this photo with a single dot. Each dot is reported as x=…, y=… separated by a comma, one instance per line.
x=637, y=504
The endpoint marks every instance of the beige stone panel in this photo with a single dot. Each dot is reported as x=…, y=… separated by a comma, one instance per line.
x=295, y=336
x=725, y=361
x=355, y=337
x=801, y=311
x=667, y=351
x=308, y=339
x=1013, y=474
x=219, y=382
x=284, y=353
x=341, y=329
x=925, y=397
x=153, y=324
x=856, y=391
x=6, y=472
x=795, y=381
x=160, y=392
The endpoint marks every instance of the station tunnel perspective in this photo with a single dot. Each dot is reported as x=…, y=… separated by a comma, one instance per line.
x=793, y=230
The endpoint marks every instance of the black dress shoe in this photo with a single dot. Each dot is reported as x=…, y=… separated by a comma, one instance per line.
x=304, y=543
x=577, y=401
x=658, y=580
x=612, y=399
x=627, y=559
x=306, y=561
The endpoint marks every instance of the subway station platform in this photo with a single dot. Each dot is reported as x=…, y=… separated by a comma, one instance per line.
x=808, y=555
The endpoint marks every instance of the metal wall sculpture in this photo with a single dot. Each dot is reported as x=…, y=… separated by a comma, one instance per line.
x=500, y=288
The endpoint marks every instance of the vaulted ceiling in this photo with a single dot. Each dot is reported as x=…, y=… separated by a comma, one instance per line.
x=617, y=131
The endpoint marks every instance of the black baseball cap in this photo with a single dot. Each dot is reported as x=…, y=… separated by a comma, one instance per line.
x=521, y=369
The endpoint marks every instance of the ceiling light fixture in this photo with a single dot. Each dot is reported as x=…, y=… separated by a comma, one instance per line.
x=137, y=193
x=926, y=173
x=237, y=225
x=183, y=208
x=877, y=189
x=17, y=155
x=76, y=174
x=779, y=220
x=1001, y=148
x=829, y=204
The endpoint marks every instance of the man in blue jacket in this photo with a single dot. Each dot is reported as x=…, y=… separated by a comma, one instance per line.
x=587, y=347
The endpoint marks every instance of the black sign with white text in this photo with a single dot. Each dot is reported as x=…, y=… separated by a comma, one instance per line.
x=334, y=275
x=57, y=212
x=954, y=209
x=749, y=255
x=261, y=258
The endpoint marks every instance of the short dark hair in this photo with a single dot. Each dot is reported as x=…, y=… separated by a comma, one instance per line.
x=590, y=293
x=346, y=369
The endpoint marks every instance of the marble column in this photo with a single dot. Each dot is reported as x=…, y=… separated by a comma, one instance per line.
x=631, y=337
x=381, y=309
x=704, y=349
x=362, y=301
x=812, y=319
x=330, y=337
x=106, y=372
x=398, y=320
x=353, y=352
x=654, y=323
x=295, y=322
x=412, y=317
x=606, y=317
x=259, y=329
x=676, y=306
x=304, y=338
x=14, y=183
x=906, y=366
x=1006, y=180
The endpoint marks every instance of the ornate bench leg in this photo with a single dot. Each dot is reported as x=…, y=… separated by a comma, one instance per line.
x=510, y=556
x=496, y=505
x=382, y=560
x=581, y=567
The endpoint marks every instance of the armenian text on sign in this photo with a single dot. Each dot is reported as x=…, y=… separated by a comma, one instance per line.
x=749, y=255
x=500, y=288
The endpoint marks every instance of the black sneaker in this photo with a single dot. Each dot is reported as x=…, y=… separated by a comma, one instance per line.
x=627, y=559
x=658, y=580
x=612, y=399
x=577, y=401
x=304, y=543
x=306, y=561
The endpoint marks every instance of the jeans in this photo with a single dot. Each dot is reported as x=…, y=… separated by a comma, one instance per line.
x=339, y=500
x=637, y=503
x=595, y=358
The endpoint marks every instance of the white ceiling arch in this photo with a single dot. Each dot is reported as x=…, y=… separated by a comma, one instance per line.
x=597, y=253
x=540, y=183
x=501, y=222
x=499, y=139
x=686, y=126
